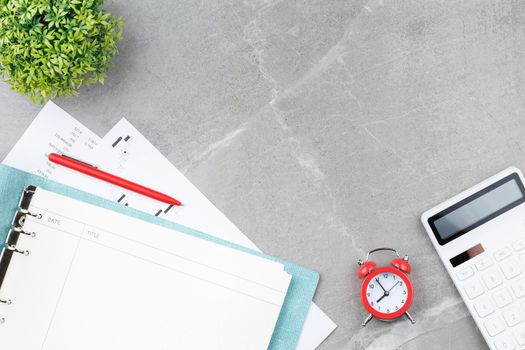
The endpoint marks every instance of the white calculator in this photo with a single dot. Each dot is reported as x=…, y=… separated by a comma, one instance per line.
x=480, y=237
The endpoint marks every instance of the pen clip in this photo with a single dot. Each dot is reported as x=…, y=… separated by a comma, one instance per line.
x=80, y=161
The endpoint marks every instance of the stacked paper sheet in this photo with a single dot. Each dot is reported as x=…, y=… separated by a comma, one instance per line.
x=125, y=152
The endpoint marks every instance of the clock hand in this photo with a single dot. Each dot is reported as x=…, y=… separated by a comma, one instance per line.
x=387, y=292
x=393, y=286
x=380, y=285
x=384, y=295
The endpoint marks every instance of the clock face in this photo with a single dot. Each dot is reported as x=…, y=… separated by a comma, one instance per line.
x=387, y=292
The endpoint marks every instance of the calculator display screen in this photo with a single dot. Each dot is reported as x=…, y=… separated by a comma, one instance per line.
x=477, y=209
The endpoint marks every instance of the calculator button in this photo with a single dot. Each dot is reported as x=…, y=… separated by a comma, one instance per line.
x=502, y=297
x=510, y=268
x=519, y=335
x=522, y=258
x=518, y=288
x=484, y=307
x=494, y=325
x=505, y=342
x=519, y=245
x=465, y=273
x=513, y=316
x=492, y=278
x=484, y=264
x=473, y=288
x=502, y=254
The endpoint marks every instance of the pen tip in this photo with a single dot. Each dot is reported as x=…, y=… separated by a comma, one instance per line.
x=176, y=203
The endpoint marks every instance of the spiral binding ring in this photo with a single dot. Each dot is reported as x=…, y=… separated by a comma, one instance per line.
x=13, y=248
x=19, y=229
x=27, y=212
x=5, y=301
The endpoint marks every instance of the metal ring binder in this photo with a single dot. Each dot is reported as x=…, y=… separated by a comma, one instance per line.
x=16, y=250
x=11, y=243
x=27, y=212
x=20, y=230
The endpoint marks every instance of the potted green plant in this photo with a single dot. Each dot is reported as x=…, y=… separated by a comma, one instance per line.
x=50, y=48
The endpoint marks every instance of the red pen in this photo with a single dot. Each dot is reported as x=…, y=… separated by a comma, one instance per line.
x=93, y=171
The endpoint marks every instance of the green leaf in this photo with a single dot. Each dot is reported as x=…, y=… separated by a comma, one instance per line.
x=51, y=48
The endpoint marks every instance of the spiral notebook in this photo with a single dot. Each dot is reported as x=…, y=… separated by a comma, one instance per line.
x=74, y=275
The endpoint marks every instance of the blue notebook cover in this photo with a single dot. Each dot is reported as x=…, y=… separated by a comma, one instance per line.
x=300, y=292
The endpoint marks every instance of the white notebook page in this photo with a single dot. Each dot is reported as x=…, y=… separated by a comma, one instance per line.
x=92, y=282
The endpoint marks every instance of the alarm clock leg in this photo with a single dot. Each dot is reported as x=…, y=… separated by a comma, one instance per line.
x=367, y=319
x=409, y=317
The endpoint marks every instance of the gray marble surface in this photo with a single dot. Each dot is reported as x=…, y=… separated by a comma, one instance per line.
x=324, y=129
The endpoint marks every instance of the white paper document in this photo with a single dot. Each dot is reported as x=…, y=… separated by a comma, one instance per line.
x=127, y=153
x=122, y=283
x=134, y=151
x=54, y=130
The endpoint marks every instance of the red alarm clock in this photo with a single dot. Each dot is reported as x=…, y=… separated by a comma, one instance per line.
x=386, y=291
